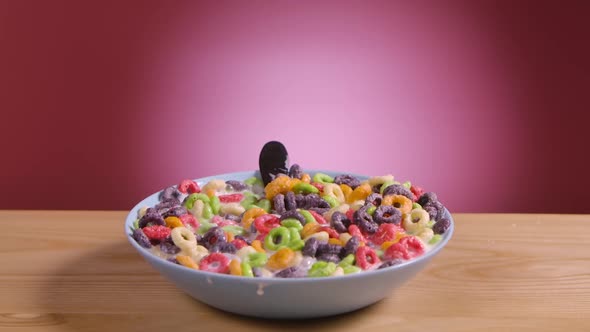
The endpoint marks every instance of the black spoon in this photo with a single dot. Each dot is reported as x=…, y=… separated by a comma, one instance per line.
x=273, y=160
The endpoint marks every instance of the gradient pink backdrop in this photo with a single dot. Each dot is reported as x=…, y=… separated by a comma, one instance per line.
x=484, y=102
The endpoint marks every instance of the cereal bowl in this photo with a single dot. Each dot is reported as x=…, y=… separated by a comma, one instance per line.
x=285, y=298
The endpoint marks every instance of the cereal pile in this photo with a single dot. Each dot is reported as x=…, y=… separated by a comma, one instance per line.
x=298, y=225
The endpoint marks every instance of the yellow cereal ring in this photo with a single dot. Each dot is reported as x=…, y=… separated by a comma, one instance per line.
x=281, y=259
x=400, y=202
x=344, y=237
x=235, y=268
x=360, y=193
x=212, y=186
x=257, y=245
x=173, y=222
x=310, y=228
x=187, y=261
x=250, y=215
x=346, y=190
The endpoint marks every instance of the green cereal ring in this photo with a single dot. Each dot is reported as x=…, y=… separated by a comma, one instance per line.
x=435, y=239
x=430, y=224
x=257, y=259
x=322, y=178
x=246, y=270
x=264, y=204
x=385, y=185
x=308, y=217
x=347, y=261
x=292, y=223
x=333, y=201
x=215, y=204
x=192, y=198
x=249, y=200
x=416, y=206
x=322, y=269
x=204, y=226
x=305, y=188
x=281, y=233
x=407, y=184
x=207, y=211
x=235, y=230
x=351, y=269
x=294, y=232
x=136, y=224
x=371, y=209
x=253, y=180
x=296, y=242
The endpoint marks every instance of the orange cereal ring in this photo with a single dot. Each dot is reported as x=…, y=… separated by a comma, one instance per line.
x=306, y=178
x=335, y=241
x=187, y=261
x=257, y=245
x=310, y=228
x=360, y=193
x=250, y=215
x=229, y=236
x=280, y=185
x=173, y=222
x=400, y=202
x=235, y=268
x=281, y=259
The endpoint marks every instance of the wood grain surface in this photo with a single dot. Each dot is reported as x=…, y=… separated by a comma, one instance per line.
x=75, y=271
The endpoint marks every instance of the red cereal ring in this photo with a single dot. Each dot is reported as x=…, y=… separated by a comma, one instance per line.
x=386, y=232
x=417, y=191
x=215, y=262
x=350, y=214
x=188, y=187
x=156, y=232
x=354, y=230
x=239, y=243
x=366, y=257
x=189, y=220
x=319, y=186
x=266, y=222
x=407, y=248
x=331, y=232
x=231, y=198
x=318, y=217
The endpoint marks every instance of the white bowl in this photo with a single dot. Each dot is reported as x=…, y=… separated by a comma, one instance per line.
x=279, y=297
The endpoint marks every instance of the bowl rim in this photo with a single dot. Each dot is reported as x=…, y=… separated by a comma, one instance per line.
x=363, y=274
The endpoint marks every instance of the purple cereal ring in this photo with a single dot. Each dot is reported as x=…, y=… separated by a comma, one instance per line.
x=151, y=218
x=387, y=214
x=398, y=189
x=364, y=220
x=141, y=238
x=236, y=185
x=294, y=214
x=295, y=171
x=290, y=202
x=374, y=199
x=278, y=203
x=348, y=180
x=340, y=222
x=169, y=193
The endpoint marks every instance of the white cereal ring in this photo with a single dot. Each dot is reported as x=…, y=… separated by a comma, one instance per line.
x=232, y=208
x=183, y=238
x=214, y=185
x=426, y=235
x=334, y=190
x=416, y=221
x=197, y=209
x=380, y=179
x=340, y=208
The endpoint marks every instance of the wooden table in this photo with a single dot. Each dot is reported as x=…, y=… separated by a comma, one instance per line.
x=75, y=271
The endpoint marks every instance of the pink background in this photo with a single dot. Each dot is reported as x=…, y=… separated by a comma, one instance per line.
x=105, y=102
